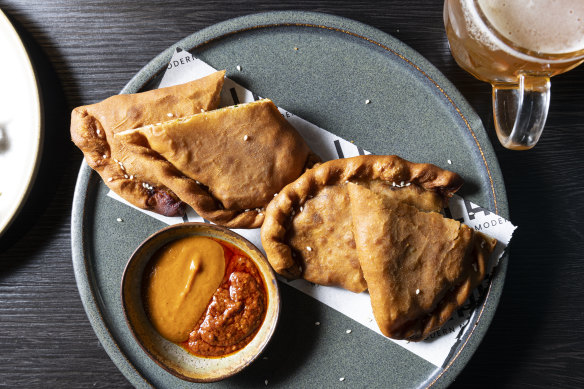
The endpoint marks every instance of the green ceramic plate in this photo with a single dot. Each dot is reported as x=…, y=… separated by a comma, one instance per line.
x=414, y=112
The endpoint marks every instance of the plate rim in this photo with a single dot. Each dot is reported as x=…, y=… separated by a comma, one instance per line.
x=482, y=319
x=31, y=174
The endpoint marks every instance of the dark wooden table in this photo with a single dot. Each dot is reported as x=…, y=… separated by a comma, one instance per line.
x=85, y=51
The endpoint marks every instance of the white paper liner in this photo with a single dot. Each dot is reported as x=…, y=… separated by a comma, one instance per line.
x=440, y=346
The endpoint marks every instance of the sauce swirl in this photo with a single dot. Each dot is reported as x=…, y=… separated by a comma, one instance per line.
x=233, y=310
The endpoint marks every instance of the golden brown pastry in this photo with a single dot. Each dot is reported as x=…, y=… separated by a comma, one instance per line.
x=227, y=164
x=419, y=266
x=373, y=222
x=321, y=239
x=307, y=232
x=93, y=128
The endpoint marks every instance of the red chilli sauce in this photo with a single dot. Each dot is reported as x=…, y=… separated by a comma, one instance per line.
x=236, y=310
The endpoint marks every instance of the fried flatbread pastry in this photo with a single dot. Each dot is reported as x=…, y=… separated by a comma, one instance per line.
x=93, y=128
x=321, y=240
x=419, y=266
x=227, y=163
x=308, y=228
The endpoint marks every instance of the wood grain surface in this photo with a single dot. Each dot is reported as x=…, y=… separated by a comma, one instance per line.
x=85, y=51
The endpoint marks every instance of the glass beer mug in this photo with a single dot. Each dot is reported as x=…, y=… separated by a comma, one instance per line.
x=516, y=45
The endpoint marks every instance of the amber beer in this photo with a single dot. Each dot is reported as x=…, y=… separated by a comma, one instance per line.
x=516, y=45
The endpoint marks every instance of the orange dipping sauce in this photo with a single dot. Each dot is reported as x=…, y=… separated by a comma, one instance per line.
x=234, y=310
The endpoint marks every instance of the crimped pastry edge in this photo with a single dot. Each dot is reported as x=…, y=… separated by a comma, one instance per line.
x=390, y=168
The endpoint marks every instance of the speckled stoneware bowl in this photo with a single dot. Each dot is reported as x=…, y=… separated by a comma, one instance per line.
x=169, y=355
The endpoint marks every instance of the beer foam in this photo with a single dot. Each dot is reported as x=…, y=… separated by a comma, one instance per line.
x=544, y=26
x=475, y=27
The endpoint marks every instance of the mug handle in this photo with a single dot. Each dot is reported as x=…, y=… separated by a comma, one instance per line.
x=520, y=110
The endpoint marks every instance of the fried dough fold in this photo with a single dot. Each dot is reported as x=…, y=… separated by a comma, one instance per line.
x=373, y=222
x=227, y=164
x=308, y=228
x=93, y=128
x=419, y=266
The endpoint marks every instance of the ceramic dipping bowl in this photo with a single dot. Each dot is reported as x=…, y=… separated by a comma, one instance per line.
x=169, y=355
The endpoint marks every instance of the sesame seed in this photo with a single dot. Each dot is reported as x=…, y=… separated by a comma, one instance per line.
x=348, y=331
x=119, y=220
x=131, y=177
x=261, y=214
x=266, y=382
x=98, y=131
x=316, y=323
x=238, y=67
x=116, y=160
x=169, y=114
x=110, y=179
x=393, y=184
x=483, y=244
x=402, y=183
x=470, y=214
x=202, y=110
x=408, y=184
x=308, y=248
x=275, y=194
x=126, y=176
x=247, y=210
x=417, y=291
x=296, y=48
x=301, y=208
x=342, y=379
x=104, y=156
x=245, y=137
x=367, y=101
x=449, y=162
x=198, y=183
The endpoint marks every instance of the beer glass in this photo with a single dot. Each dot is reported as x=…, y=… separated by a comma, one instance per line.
x=516, y=46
